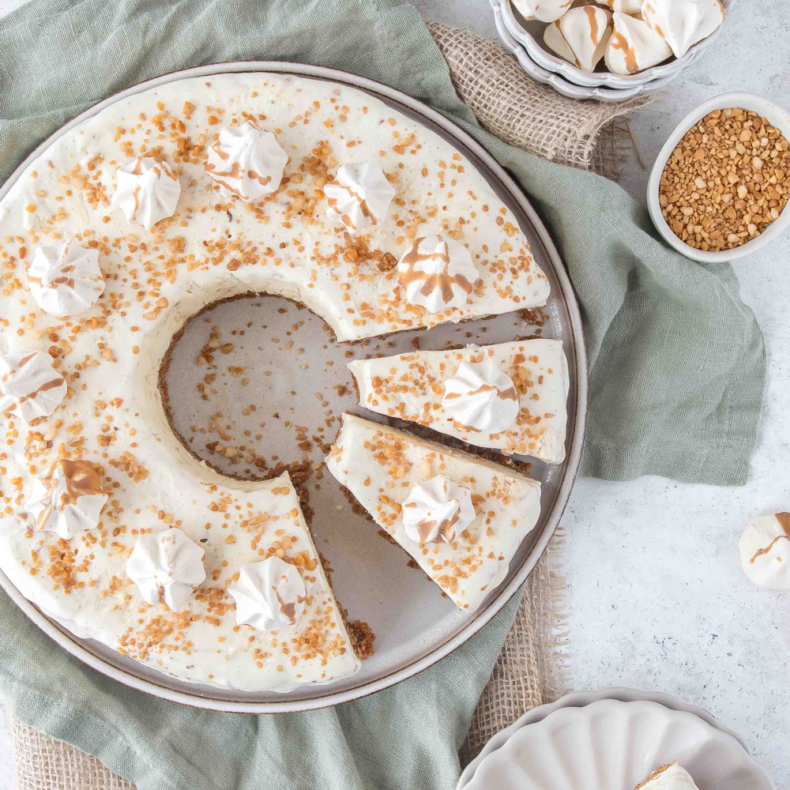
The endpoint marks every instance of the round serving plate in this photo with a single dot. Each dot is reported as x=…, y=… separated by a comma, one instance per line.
x=613, y=738
x=424, y=626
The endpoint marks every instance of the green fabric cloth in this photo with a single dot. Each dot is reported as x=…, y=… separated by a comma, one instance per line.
x=676, y=378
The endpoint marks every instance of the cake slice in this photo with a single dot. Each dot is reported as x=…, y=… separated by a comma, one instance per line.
x=668, y=777
x=509, y=396
x=461, y=518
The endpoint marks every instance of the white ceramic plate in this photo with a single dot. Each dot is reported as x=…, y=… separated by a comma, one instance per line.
x=424, y=626
x=777, y=116
x=615, y=745
x=529, y=34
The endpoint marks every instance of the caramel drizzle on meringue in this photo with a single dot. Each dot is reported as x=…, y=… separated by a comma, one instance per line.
x=784, y=523
x=620, y=42
x=81, y=478
x=432, y=282
x=236, y=172
x=363, y=207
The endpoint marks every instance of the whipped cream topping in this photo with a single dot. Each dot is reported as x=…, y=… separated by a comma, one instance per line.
x=634, y=46
x=246, y=162
x=147, y=191
x=29, y=386
x=765, y=551
x=65, y=280
x=437, y=273
x=437, y=510
x=166, y=567
x=580, y=36
x=633, y=7
x=682, y=23
x=542, y=10
x=479, y=395
x=360, y=196
x=68, y=499
x=671, y=777
x=269, y=595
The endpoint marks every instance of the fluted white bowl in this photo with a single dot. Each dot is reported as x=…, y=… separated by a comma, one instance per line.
x=615, y=745
x=557, y=81
x=529, y=34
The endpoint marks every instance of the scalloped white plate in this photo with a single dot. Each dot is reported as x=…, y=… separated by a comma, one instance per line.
x=614, y=745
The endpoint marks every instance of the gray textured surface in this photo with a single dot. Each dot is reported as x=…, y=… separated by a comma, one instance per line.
x=657, y=597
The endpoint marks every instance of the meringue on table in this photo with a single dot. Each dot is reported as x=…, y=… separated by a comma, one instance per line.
x=580, y=36
x=765, y=551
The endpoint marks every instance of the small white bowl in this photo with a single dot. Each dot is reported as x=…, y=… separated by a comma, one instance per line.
x=530, y=35
x=777, y=117
x=558, y=82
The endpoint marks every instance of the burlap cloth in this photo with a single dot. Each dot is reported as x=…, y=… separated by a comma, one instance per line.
x=534, y=664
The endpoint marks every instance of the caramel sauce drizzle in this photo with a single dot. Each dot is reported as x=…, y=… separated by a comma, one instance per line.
x=431, y=282
x=784, y=523
x=81, y=478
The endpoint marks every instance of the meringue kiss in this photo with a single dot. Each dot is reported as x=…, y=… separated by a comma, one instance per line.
x=246, y=162
x=166, y=567
x=65, y=280
x=269, y=595
x=437, y=510
x=68, y=499
x=29, y=385
x=147, y=191
x=437, y=273
x=482, y=397
x=359, y=196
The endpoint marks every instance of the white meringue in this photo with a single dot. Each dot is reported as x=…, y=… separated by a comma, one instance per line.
x=479, y=395
x=634, y=46
x=542, y=10
x=682, y=23
x=269, y=595
x=437, y=510
x=147, y=191
x=632, y=7
x=672, y=777
x=580, y=36
x=65, y=280
x=437, y=273
x=29, y=386
x=246, y=162
x=68, y=499
x=360, y=196
x=166, y=567
x=765, y=551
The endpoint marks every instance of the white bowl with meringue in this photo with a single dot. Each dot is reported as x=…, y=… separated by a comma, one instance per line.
x=634, y=46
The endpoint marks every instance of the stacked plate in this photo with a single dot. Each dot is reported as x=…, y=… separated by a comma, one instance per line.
x=525, y=40
x=613, y=739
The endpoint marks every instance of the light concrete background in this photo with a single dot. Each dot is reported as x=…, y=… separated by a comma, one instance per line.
x=657, y=597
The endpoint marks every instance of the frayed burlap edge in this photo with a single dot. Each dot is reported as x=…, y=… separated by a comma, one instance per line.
x=524, y=113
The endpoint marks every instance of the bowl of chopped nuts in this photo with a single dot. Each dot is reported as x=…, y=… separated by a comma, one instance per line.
x=720, y=185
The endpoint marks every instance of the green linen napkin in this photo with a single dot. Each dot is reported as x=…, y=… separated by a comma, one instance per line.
x=676, y=379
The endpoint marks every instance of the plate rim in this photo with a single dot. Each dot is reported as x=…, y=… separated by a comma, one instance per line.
x=583, y=699
x=66, y=640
